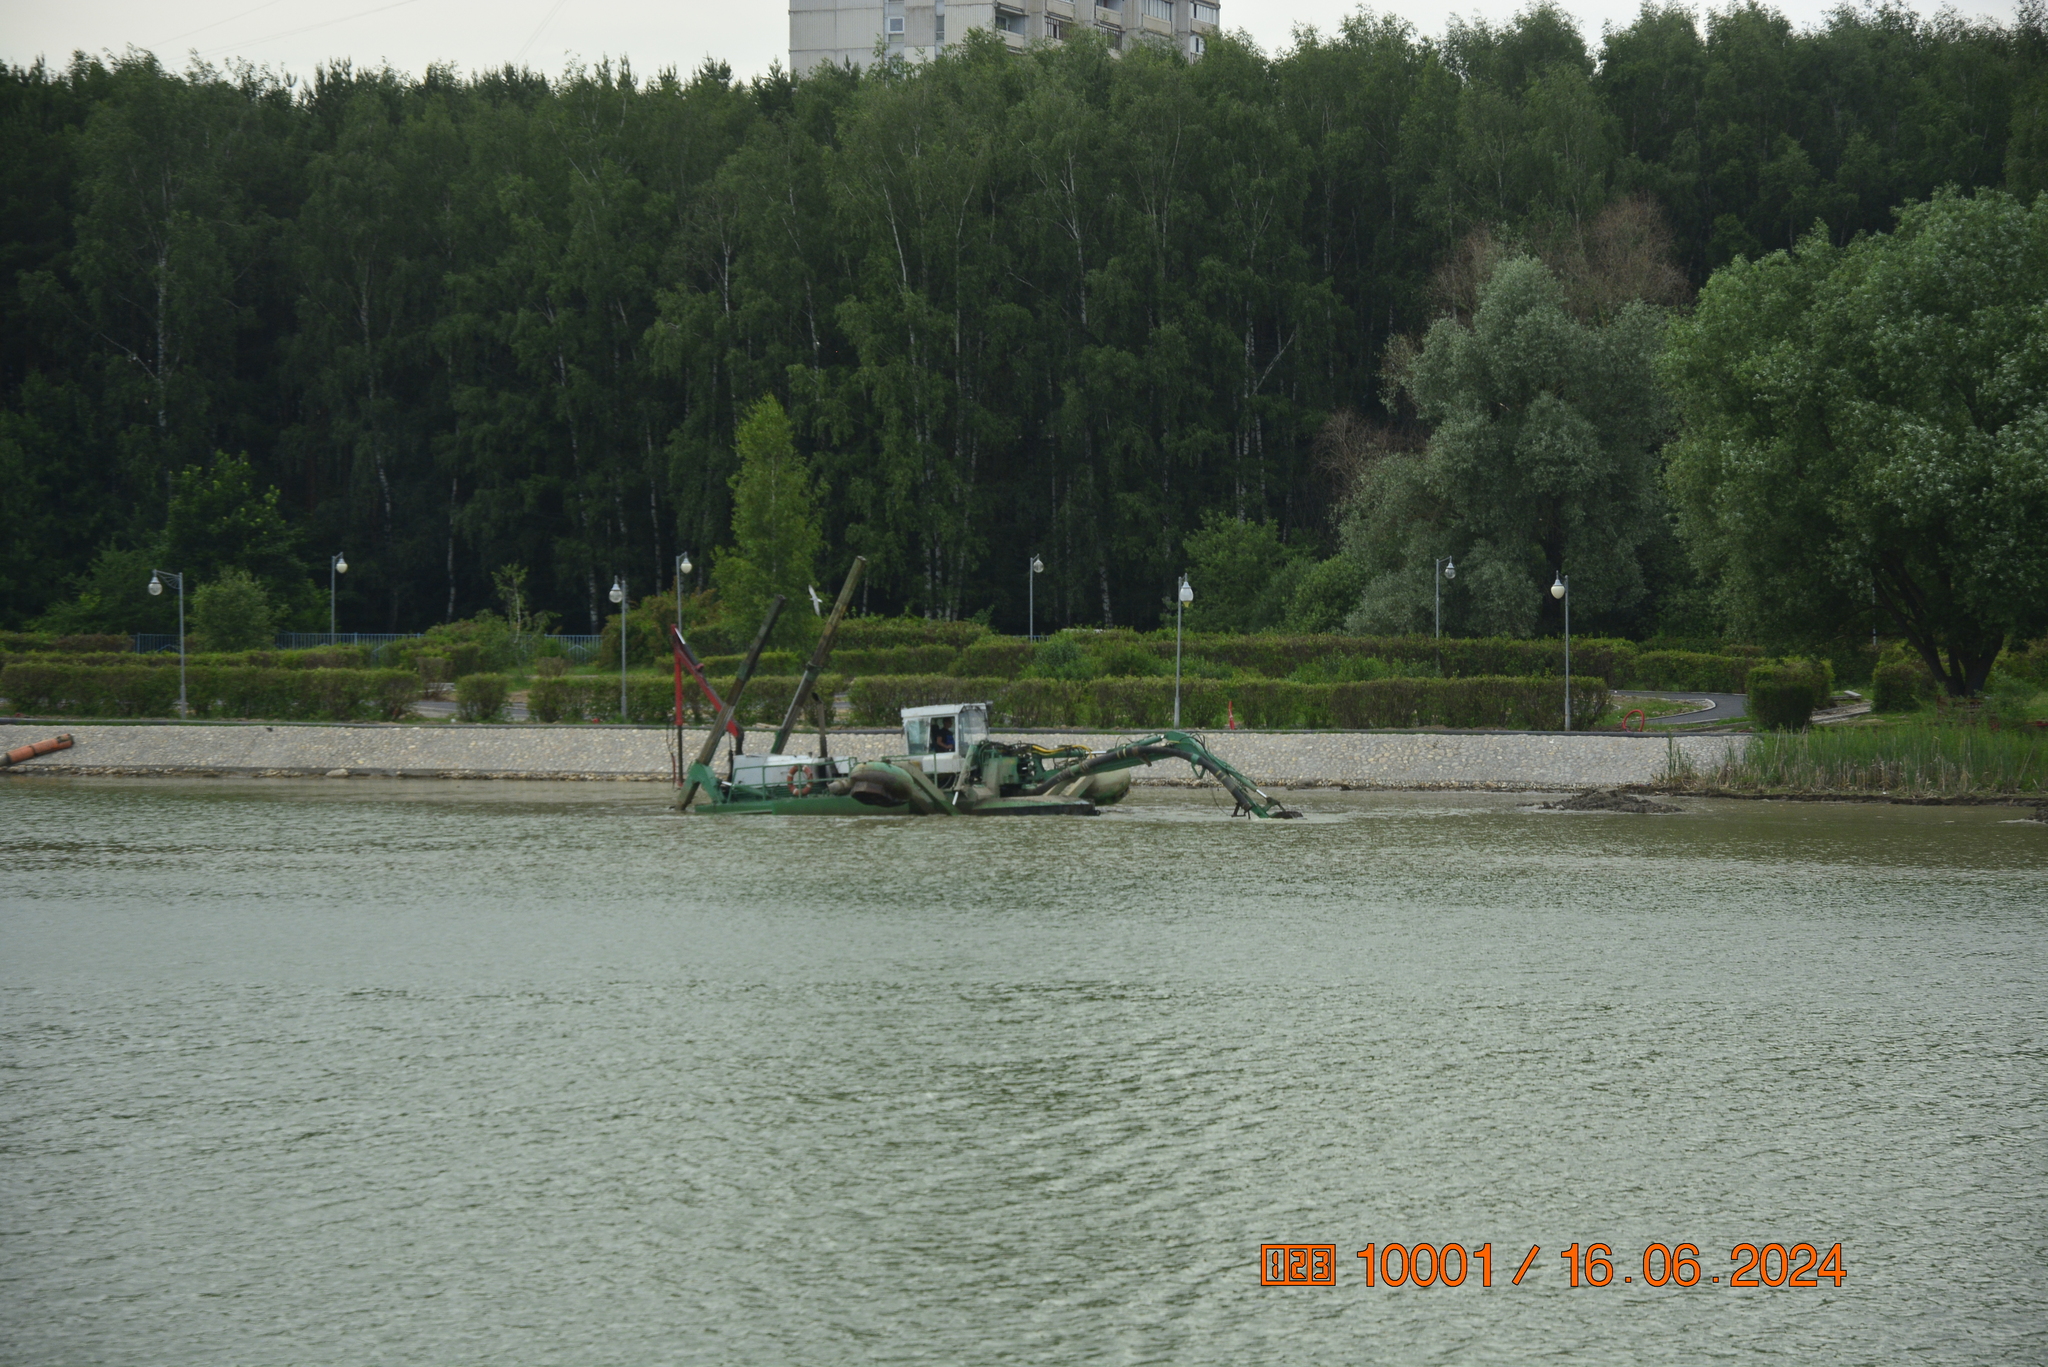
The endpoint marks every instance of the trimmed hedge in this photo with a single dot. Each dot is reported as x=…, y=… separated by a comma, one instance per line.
x=329, y=657
x=651, y=698
x=727, y=666
x=480, y=697
x=98, y=643
x=933, y=659
x=213, y=690
x=1783, y=696
x=1899, y=686
x=993, y=657
x=877, y=698
x=1525, y=703
x=1690, y=669
x=886, y=633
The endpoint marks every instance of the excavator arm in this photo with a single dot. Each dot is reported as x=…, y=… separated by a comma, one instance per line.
x=1250, y=798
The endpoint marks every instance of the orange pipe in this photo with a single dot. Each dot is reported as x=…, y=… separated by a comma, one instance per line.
x=29, y=752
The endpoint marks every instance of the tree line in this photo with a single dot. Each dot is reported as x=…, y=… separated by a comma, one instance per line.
x=1111, y=311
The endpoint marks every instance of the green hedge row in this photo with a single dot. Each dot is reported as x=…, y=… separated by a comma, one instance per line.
x=212, y=690
x=1522, y=703
x=328, y=657
x=651, y=698
x=924, y=659
x=1784, y=695
x=24, y=642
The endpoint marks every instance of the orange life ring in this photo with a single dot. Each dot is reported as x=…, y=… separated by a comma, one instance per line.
x=808, y=781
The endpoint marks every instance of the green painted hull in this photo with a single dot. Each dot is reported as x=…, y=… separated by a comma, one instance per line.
x=824, y=804
x=827, y=805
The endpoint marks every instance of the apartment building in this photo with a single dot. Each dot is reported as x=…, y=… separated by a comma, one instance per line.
x=822, y=31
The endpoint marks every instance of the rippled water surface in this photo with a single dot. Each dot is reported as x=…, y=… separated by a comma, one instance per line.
x=510, y=1073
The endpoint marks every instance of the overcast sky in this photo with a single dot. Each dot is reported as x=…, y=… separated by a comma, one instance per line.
x=297, y=35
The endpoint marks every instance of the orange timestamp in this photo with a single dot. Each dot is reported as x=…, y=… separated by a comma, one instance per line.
x=1424, y=1265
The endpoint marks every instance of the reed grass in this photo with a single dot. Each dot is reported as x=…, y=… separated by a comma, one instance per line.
x=1925, y=759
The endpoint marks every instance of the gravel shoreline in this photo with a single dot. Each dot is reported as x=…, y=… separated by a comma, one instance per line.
x=1500, y=760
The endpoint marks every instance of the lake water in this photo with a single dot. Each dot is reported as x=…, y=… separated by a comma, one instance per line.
x=522, y=1073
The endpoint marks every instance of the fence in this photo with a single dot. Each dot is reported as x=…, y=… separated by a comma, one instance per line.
x=581, y=649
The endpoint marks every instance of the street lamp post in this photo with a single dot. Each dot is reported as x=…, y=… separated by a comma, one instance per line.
x=1031, y=595
x=156, y=588
x=336, y=564
x=683, y=567
x=619, y=597
x=1185, y=596
x=1562, y=588
x=1444, y=570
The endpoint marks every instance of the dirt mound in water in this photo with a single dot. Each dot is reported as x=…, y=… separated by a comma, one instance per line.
x=1609, y=800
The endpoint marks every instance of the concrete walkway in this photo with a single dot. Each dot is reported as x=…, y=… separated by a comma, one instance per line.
x=1538, y=761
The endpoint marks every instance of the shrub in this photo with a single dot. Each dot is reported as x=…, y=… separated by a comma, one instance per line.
x=1715, y=672
x=214, y=691
x=2028, y=664
x=550, y=667
x=877, y=698
x=435, y=670
x=480, y=697
x=883, y=633
x=934, y=659
x=1897, y=686
x=231, y=613
x=22, y=642
x=1004, y=657
x=1359, y=669
x=651, y=698
x=1783, y=696
x=728, y=666
x=1526, y=703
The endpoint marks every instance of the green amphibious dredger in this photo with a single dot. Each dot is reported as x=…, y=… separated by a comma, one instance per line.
x=951, y=766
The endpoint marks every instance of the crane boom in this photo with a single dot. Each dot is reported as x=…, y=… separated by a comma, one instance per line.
x=1250, y=798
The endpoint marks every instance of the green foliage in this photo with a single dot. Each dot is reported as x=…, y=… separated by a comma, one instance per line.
x=1243, y=576
x=1360, y=668
x=1003, y=657
x=1129, y=703
x=888, y=633
x=1013, y=302
x=22, y=642
x=877, y=698
x=1783, y=697
x=112, y=595
x=1689, y=669
x=1544, y=456
x=1927, y=759
x=776, y=528
x=651, y=698
x=231, y=613
x=245, y=691
x=480, y=697
x=934, y=659
x=1868, y=425
x=1899, y=686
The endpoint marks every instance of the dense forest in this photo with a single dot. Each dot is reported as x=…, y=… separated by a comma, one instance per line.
x=1066, y=303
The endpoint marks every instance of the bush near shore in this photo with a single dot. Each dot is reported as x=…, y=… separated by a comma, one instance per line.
x=651, y=698
x=212, y=691
x=1527, y=703
x=1898, y=760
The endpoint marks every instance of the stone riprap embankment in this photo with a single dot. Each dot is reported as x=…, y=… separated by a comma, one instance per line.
x=1533, y=761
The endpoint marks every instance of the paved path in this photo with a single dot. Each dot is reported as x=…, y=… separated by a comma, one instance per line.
x=1720, y=707
x=1540, y=761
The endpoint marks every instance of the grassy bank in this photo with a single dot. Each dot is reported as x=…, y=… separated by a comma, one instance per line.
x=1911, y=759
